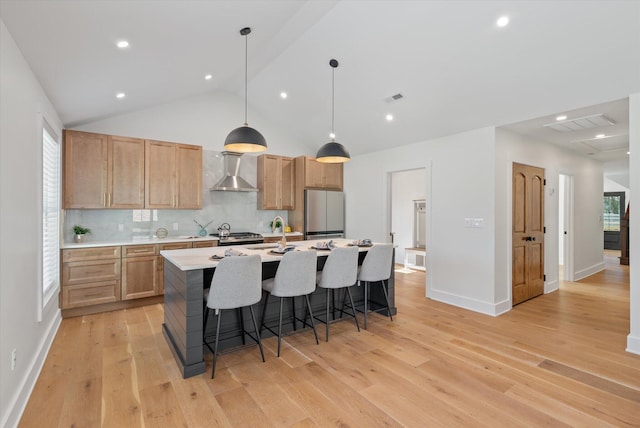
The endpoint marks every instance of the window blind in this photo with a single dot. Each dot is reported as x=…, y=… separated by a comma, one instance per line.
x=50, y=212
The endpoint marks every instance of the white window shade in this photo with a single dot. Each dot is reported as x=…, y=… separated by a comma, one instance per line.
x=50, y=213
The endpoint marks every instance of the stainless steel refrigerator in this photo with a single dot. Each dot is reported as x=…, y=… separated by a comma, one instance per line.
x=323, y=214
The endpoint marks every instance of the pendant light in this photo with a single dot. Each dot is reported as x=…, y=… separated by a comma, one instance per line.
x=333, y=152
x=245, y=139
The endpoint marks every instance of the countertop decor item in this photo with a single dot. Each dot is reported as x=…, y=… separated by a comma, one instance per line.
x=162, y=233
x=245, y=139
x=333, y=152
x=79, y=233
x=203, y=229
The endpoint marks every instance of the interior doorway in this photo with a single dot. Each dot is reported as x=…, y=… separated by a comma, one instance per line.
x=614, y=206
x=406, y=187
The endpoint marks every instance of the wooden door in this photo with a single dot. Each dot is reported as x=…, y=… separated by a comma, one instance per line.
x=160, y=175
x=126, y=173
x=85, y=170
x=189, y=176
x=139, y=277
x=528, y=233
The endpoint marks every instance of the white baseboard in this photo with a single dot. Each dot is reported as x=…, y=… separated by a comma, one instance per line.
x=582, y=274
x=633, y=344
x=551, y=286
x=21, y=397
x=492, y=309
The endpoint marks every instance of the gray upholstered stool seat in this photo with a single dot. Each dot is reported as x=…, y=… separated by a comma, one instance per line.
x=236, y=283
x=340, y=272
x=376, y=267
x=296, y=276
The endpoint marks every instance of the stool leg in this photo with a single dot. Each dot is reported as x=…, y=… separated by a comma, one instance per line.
x=280, y=325
x=355, y=316
x=366, y=301
x=253, y=318
x=327, y=323
x=264, y=310
x=312, y=323
x=241, y=316
x=293, y=311
x=215, y=348
x=386, y=297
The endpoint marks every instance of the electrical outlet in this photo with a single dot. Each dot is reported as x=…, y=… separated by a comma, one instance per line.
x=175, y=226
x=14, y=358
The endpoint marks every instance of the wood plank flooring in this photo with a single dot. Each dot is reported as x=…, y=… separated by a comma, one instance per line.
x=557, y=360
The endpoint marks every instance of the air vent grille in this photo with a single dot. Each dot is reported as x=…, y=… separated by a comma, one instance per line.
x=578, y=124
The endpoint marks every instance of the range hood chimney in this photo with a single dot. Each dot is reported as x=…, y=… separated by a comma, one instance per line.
x=231, y=181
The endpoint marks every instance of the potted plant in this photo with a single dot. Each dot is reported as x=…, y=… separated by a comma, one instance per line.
x=277, y=226
x=79, y=232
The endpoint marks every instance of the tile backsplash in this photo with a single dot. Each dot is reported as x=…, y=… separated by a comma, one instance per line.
x=239, y=209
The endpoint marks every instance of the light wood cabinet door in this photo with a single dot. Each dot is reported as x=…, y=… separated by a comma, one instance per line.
x=318, y=175
x=126, y=173
x=189, y=176
x=173, y=175
x=139, y=277
x=160, y=175
x=205, y=244
x=160, y=266
x=276, y=181
x=89, y=294
x=85, y=170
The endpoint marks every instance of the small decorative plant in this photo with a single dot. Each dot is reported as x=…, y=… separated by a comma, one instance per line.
x=79, y=230
x=278, y=224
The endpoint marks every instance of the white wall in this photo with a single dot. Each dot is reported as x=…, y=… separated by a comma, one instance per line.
x=633, y=340
x=203, y=120
x=406, y=186
x=587, y=195
x=23, y=104
x=459, y=184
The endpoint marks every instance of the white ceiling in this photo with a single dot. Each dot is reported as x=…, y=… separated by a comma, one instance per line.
x=456, y=70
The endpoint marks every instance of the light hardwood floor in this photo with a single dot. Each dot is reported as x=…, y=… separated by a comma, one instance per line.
x=557, y=360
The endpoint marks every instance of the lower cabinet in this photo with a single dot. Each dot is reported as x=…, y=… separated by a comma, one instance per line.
x=273, y=239
x=139, y=271
x=93, y=276
x=90, y=276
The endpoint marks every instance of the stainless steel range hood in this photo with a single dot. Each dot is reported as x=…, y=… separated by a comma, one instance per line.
x=231, y=181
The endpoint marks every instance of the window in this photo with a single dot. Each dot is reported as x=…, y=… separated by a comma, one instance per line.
x=50, y=215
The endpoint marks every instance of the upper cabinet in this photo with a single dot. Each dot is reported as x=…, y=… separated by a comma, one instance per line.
x=276, y=182
x=319, y=175
x=103, y=171
x=173, y=175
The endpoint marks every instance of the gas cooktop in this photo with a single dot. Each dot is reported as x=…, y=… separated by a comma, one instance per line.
x=240, y=238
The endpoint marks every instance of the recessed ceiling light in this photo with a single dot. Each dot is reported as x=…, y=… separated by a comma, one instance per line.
x=122, y=44
x=389, y=117
x=283, y=95
x=502, y=21
x=561, y=117
x=120, y=95
x=600, y=136
x=208, y=77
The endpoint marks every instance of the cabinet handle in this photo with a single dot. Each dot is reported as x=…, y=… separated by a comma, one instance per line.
x=104, y=199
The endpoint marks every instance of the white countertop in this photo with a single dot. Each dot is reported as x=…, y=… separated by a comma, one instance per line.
x=200, y=258
x=144, y=241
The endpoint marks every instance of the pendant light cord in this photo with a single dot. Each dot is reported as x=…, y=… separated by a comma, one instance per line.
x=333, y=101
x=246, y=60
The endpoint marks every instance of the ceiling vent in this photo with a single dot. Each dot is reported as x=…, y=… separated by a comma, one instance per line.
x=578, y=124
x=394, y=98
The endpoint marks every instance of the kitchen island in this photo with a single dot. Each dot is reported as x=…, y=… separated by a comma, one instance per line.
x=187, y=272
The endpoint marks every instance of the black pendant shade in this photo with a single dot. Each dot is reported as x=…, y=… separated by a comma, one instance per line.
x=245, y=139
x=333, y=152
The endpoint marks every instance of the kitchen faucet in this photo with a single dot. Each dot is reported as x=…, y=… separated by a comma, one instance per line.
x=283, y=241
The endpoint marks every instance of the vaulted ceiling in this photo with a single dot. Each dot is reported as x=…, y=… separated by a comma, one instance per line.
x=454, y=67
